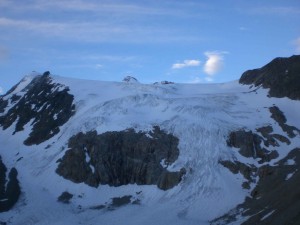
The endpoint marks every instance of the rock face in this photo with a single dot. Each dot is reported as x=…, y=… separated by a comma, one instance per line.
x=9, y=193
x=250, y=144
x=46, y=105
x=275, y=197
x=248, y=171
x=279, y=117
x=281, y=75
x=120, y=158
x=3, y=105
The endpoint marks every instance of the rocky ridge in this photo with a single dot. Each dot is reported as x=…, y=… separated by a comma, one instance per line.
x=281, y=76
x=46, y=105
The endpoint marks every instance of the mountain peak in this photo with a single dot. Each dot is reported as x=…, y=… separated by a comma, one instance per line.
x=130, y=79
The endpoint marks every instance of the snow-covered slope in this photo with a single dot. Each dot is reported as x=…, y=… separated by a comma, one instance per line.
x=201, y=116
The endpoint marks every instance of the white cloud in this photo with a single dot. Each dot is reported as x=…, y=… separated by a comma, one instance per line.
x=99, y=7
x=1, y=90
x=186, y=63
x=94, y=31
x=95, y=21
x=120, y=8
x=297, y=44
x=214, y=62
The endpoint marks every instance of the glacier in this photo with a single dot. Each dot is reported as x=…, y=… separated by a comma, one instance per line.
x=201, y=116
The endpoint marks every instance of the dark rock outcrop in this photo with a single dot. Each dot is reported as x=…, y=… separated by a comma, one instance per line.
x=74, y=166
x=250, y=145
x=65, y=197
x=248, y=171
x=9, y=193
x=3, y=104
x=247, y=142
x=168, y=179
x=272, y=139
x=117, y=202
x=2, y=179
x=120, y=158
x=121, y=201
x=275, y=199
x=255, y=145
x=279, y=117
x=46, y=104
x=281, y=76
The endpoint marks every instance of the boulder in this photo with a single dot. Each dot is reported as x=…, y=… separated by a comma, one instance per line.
x=65, y=197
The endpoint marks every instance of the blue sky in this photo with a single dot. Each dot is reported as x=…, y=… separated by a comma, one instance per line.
x=182, y=41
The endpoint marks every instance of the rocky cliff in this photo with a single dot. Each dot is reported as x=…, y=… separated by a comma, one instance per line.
x=121, y=158
x=281, y=76
x=42, y=103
